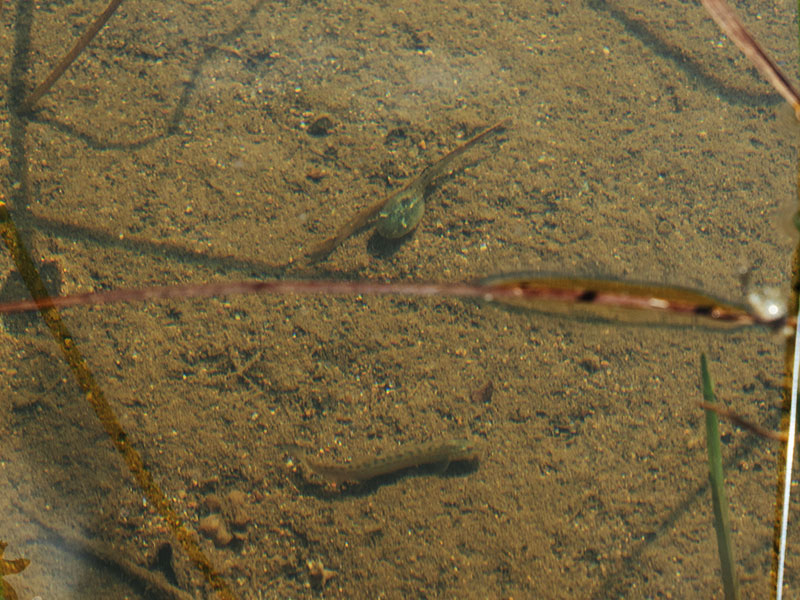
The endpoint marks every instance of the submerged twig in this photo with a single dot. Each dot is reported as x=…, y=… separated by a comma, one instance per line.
x=732, y=26
x=744, y=423
x=65, y=62
x=729, y=22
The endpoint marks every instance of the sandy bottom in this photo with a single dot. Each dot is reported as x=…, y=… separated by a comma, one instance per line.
x=211, y=141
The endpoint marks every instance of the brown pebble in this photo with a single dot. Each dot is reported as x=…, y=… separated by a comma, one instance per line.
x=315, y=174
x=318, y=573
x=664, y=228
x=208, y=482
x=322, y=125
x=240, y=536
x=24, y=404
x=223, y=537
x=208, y=525
x=214, y=528
x=237, y=509
x=212, y=503
x=590, y=363
x=483, y=395
x=239, y=518
x=237, y=498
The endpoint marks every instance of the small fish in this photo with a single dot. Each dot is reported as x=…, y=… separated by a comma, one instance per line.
x=414, y=455
x=401, y=212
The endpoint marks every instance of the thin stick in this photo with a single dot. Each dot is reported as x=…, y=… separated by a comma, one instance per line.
x=787, y=476
x=65, y=62
x=732, y=26
x=729, y=22
x=744, y=423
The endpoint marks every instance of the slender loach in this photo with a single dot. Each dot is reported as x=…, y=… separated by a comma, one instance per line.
x=414, y=455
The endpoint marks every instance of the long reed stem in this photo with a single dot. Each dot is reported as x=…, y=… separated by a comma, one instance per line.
x=41, y=89
x=787, y=475
x=722, y=519
x=523, y=291
x=790, y=444
x=730, y=23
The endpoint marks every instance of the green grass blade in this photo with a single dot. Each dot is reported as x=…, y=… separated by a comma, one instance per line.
x=722, y=522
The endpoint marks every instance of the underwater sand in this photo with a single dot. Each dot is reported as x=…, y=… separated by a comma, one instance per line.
x=177, y=149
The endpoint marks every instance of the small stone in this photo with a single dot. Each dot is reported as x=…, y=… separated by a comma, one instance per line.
x=237, y=498
x=483, y=395
x=214, y=528
x=209, y=525
x=212, y=503
x=240, y=518
x=315, y=174
x=322, y=125
x=664, y=228
x=318, y=573
x=223, y=537
x=238, y=509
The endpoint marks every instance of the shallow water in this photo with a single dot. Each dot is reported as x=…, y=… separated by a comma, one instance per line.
x=178, y=149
